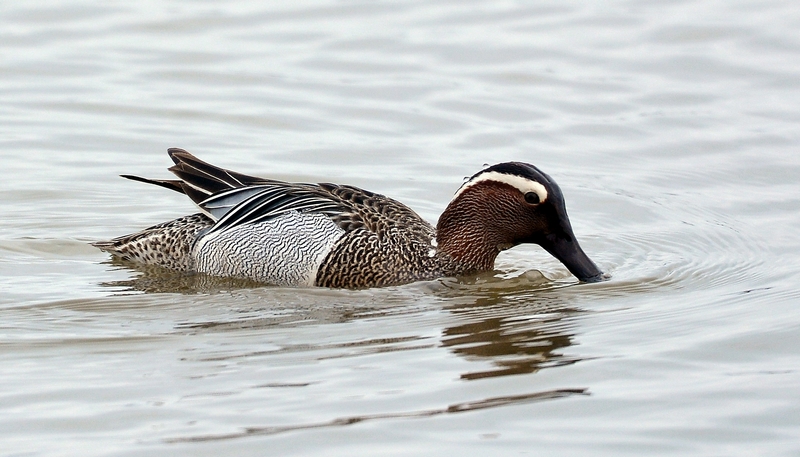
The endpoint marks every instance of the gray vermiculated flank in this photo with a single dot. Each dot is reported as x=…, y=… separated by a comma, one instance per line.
x=284, y=250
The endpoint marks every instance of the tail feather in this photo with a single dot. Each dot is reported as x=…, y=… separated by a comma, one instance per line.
x=197, y=179
x=170, y=184
x=188, y=163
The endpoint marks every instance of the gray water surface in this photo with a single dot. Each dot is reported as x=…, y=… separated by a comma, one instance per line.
x=672, y=128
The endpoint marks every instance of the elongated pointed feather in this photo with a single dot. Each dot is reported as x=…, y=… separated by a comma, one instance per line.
x=204, y=185
x=218, y=205
x=170, y=184
x=268, y=202
x=191, y=164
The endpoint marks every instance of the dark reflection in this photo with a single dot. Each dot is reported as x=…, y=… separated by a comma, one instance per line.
x=518, y=325
x=154, y=279
x=518, y=329
x=253, y=305
x=456, y=408
x=512, y=351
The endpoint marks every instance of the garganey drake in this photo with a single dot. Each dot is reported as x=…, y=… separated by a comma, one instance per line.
x=331, y=235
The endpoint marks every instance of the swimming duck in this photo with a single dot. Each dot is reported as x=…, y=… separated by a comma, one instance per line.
x=330, y=235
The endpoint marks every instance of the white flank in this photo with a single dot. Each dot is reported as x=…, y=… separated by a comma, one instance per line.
x=524, y=185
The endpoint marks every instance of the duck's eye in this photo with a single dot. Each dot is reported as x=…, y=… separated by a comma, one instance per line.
x=532, y=198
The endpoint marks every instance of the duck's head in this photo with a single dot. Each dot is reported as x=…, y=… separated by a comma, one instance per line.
x=505, y=205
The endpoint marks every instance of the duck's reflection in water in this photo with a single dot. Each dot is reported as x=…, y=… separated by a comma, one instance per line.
x=155, y=279
x=512, y=347
x=519, y=326
x=506, y=326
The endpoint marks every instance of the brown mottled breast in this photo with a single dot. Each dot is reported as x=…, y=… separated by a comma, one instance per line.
x=385, y=243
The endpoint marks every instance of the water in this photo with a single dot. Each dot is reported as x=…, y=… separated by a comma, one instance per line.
x=672, y=128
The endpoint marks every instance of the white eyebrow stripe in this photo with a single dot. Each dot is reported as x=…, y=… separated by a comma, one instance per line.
x=524, y=185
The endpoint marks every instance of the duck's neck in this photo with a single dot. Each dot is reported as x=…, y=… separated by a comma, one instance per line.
x=465, y=232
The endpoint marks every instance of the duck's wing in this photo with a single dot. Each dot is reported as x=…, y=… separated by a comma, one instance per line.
x=252, y=204
x=351, y=208
x=232, y=199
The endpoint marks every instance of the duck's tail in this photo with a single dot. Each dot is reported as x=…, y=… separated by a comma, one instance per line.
x=199, y=180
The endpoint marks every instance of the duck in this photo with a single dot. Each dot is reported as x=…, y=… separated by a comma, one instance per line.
x=341, y=236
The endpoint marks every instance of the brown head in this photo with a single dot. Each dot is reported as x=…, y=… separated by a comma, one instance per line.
x=505, y=205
